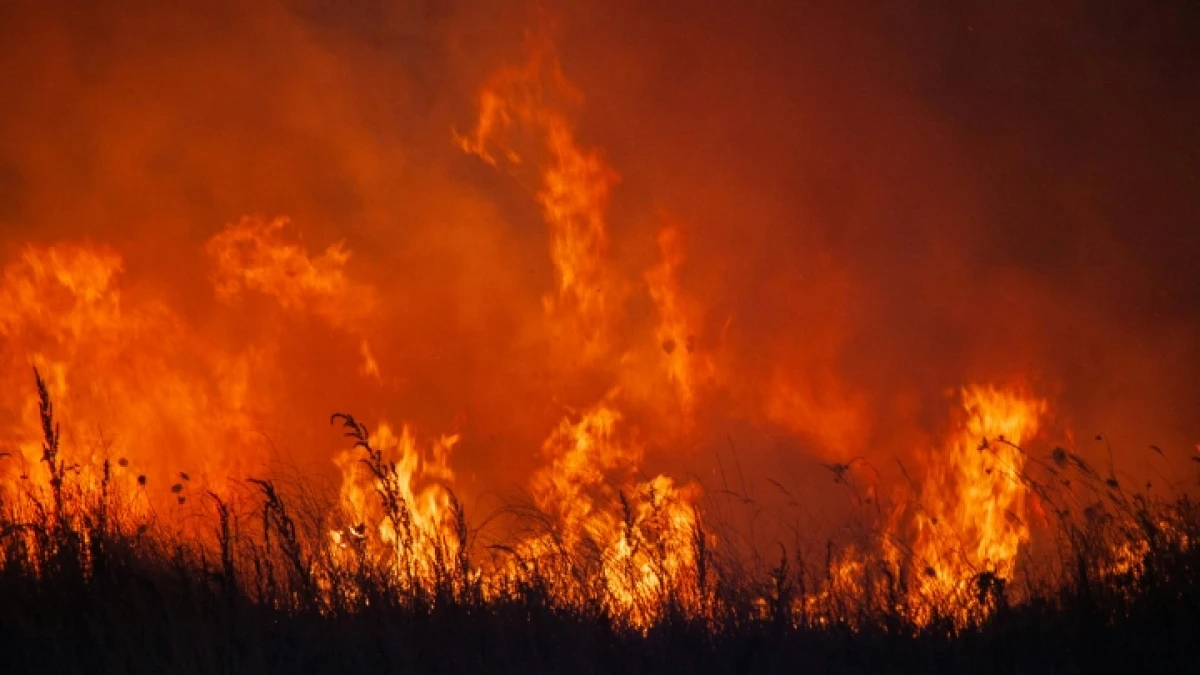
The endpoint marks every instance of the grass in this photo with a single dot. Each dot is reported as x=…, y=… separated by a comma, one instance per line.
x=89, y=584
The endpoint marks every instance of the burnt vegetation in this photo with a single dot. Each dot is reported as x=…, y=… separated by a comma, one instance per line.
x=89, y=582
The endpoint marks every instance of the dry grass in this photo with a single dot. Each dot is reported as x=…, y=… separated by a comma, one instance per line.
x=87, y=587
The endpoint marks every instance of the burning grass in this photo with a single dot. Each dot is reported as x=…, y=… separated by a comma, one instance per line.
x=273, y=577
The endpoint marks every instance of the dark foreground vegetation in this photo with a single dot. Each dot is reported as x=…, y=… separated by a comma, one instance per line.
x=85, y=588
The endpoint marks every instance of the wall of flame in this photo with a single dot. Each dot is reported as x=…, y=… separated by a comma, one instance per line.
x=599, y=249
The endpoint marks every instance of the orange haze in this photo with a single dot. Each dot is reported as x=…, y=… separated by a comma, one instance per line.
x=678, y=248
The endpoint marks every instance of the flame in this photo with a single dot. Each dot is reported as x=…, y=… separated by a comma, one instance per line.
x=165, y=398
x=687, y=365
x=970, y=524
x=574, y=187
x=641, y=531
x=400, y=503
x=584, y=455
x=814, y=404
x=131, y=376
x=120, y=365
x=254, y=255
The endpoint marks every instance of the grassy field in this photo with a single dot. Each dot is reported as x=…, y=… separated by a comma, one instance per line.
x=87, y=585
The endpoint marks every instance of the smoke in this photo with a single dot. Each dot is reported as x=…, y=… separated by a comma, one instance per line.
x=874, y=206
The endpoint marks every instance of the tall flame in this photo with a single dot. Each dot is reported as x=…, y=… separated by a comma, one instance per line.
x=970, y=523
x=641, y=531
x=687, y=364
x=582, y=390
x=132, y=376
x=574, y=186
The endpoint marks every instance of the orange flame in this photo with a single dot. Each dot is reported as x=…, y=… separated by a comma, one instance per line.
x=574, y=187
x=687, y=365
x=130, y=376
x=641, y=530
x=159, y=390
x=970, y=525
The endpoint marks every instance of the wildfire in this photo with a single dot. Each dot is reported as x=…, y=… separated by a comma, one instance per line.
x=167, y=399
x=688, y=367
x=133, y=376
x=118, y=364
x=969, y=520
x=574, y=187
x=639, y=531
x=398, y=503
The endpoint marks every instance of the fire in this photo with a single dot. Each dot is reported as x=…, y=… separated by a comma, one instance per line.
x=607, y=385
x=398, y=504
x=118, y=363
x=132, y=376
x=970, y=516
x=254, y=256
x=123, y=362
x=574, y=187
x=687, y=364
x=639, y=533
x=813, y=403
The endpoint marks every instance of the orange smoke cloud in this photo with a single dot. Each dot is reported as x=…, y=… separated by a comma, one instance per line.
x=594, y=262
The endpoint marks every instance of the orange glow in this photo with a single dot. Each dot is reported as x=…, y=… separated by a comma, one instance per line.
x=121, y=368
x=687, y=364
x=640, y=530
x=969, y=516
x=131, y=376
x=574, y=188
x=413, y=526
x=584, y=331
